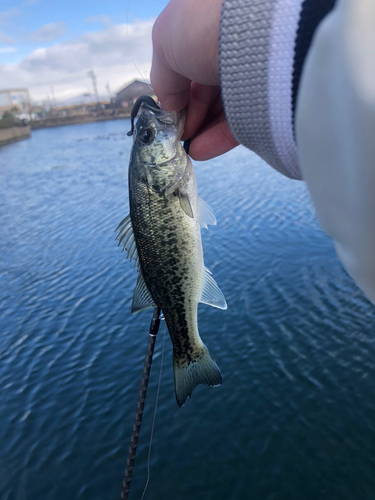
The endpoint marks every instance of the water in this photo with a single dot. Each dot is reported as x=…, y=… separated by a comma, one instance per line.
x=295, y=416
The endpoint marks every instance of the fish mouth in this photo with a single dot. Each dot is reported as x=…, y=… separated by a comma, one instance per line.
x=165, y=117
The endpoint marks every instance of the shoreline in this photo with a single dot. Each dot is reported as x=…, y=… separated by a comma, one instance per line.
x=74, y=120
x=18, y=133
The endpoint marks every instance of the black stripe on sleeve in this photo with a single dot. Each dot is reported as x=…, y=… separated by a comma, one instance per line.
x=313, y=11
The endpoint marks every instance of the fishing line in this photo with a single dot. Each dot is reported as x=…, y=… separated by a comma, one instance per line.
x=156, y=407
x=127, y=36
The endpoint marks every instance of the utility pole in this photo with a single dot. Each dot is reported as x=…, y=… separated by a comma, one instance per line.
x=108, y=90
x=53, y=96
x=91, y=74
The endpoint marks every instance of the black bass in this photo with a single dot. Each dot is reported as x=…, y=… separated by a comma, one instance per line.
x=162, y=234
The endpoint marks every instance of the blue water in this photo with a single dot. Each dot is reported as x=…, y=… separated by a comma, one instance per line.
x=295, y=416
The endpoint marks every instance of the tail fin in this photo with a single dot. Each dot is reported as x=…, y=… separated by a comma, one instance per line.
x=201, y=369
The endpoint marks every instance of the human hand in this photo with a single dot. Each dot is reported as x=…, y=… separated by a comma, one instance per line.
x=185, y=73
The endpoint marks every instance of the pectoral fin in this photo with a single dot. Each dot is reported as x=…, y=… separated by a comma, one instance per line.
x=142, y=298
x=211, y=294
x=185, y=204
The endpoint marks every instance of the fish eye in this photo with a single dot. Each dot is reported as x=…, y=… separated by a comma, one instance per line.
x=146, y=135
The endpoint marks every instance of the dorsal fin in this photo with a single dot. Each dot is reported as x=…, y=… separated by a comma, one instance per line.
x=126, y=238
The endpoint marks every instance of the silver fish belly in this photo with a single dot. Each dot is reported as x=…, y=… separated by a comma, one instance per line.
x=162, y=233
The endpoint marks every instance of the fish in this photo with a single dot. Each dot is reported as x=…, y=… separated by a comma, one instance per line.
x=162, y=234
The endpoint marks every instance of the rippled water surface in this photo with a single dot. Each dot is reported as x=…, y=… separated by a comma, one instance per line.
x=295, y=416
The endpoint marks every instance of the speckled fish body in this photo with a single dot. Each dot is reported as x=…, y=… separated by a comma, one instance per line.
x=166, y=215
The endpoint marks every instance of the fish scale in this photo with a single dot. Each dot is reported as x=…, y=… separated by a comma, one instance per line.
x=170, y=264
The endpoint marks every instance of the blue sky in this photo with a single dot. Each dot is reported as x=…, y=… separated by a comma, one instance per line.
x=45, y=42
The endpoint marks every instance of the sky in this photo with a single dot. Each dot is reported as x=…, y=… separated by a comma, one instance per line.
x=49, y=46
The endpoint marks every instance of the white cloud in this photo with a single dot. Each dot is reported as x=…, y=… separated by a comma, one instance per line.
x=6, y=38
x=112, y=53
x=6, y=15
x=47, y=33
x=4, y=50
x=103, y=20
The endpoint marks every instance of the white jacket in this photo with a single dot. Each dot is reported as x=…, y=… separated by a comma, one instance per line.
x=298, y=86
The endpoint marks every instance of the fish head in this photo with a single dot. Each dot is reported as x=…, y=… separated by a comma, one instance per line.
x=157, y=152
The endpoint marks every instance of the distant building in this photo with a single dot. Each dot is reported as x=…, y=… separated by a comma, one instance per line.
x=83, y=99
x=37, y=112
x=131, y=91
x=80, y=105
x=14, y=98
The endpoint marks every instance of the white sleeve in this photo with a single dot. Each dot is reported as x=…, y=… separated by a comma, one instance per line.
x=335, y=129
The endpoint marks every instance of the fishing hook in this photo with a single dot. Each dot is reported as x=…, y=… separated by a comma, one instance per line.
x=138, y=103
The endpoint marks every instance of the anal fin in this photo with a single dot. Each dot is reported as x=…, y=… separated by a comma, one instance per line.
x=142, y=298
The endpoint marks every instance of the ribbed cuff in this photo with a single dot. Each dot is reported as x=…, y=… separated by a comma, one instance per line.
x=260, y=68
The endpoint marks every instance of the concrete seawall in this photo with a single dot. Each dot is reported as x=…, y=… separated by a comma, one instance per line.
x=8, y=135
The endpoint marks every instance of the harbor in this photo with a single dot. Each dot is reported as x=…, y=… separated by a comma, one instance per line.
x=19, y=116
